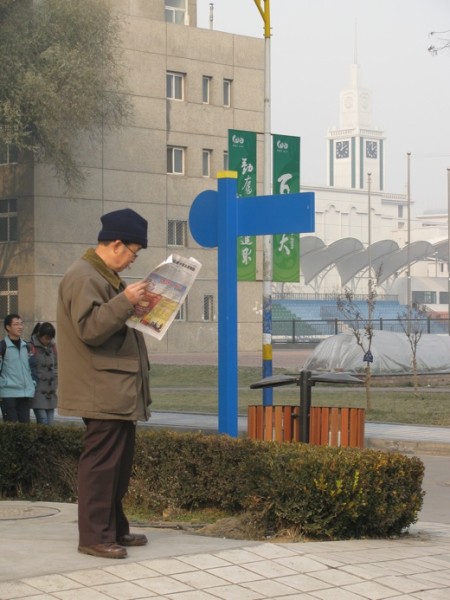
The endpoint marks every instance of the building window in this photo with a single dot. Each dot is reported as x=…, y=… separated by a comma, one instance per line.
x=175, y=160
x=175, y=11
x=206, y=163
x=208, y=307
x=227, y=92
x=206, y=87
x=177, y=233
x=427, y=297
x=400, y=211
x=182, y=313
x=8, y=154
x=9, y=295
x=8, y=220
x=175, y=86
x=226, y=161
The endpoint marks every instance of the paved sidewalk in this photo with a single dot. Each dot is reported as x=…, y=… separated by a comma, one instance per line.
x=39, y=561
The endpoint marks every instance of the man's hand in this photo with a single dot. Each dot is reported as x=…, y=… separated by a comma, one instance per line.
x=135, y=291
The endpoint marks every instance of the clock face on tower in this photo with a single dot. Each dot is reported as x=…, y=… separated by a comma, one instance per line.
x=342, y=149
x=371, y=149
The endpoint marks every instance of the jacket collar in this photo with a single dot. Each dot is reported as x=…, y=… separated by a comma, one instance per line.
x=100, y=266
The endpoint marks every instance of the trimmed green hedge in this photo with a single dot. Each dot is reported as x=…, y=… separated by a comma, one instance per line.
x=325, y=493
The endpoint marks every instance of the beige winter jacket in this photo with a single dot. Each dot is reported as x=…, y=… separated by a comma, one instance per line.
x=103, y=364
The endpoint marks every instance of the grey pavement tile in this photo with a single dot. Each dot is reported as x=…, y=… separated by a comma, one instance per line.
x=204, y=561
x=85, y=594
x=235, y=592
x=442, y=577
x=405, y=597
x=15, y=589
x=302, y=564
x=407, y=585
x=272, y=551
x=194, y=595
x=336, y=577
x=52, y=583
x=126, y=590
x=130, y=571
x=200, y=580
x=303, y=583
x=238, y=556
x=442, y=594
x=163, y=585
x=409, y=567
x=166, y=566
x=297, y=596
x=38, y=597
x=372, y=590
x=270, y=569
x=370, y=570
x=345, y=557
x=438, y=561
x=235, y=574
x=332, y=594
x=269, y=588
x=90, y=577
x=324, y=559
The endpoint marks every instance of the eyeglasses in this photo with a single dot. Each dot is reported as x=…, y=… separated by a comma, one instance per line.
x=133, y=252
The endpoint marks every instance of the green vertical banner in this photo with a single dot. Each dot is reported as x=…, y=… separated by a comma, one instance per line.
x=242, y=158
x=286, y=180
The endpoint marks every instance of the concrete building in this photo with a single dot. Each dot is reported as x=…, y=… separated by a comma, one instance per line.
x=188, y=86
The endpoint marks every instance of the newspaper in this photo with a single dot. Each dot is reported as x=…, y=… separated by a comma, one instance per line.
x=168, y=286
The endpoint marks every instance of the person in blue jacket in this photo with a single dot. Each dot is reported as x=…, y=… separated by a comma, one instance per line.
x=17, y=381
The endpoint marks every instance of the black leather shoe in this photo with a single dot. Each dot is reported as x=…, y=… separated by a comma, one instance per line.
x=132, y=539
x=109, y=550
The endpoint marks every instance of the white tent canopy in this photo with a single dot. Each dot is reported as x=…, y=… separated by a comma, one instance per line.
x=391, y=354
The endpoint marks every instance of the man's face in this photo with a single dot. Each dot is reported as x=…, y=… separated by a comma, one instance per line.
x=15, y=329
x=124, y=255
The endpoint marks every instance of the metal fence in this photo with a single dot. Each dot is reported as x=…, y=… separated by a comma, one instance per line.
x=299, y=331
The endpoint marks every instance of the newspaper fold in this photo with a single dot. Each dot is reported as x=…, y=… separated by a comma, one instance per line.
x=168, y=286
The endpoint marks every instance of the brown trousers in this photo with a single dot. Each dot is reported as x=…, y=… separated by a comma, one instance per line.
x=104, y=472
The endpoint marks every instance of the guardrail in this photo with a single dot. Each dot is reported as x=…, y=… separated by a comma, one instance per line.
x=299, y=331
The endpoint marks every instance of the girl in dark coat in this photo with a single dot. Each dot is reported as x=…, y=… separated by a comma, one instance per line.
x=44, y=349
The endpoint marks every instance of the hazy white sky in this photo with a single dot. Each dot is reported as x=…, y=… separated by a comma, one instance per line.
x=312, y=49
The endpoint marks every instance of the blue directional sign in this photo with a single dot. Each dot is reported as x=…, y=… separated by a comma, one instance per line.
x=216, y=219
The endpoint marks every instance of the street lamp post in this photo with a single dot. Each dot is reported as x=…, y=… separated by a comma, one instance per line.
x=369, y=243
x=267, y=239
x=408, y=273
x=448, y=247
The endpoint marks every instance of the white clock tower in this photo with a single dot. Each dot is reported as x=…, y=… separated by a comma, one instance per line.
x=356, y=148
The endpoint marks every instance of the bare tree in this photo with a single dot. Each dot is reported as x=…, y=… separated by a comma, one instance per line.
x=362, y=328
x=413, y=329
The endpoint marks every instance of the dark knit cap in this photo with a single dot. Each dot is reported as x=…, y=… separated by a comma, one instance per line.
x=124, y=225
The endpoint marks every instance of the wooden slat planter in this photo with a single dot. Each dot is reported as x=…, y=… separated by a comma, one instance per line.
x=274, y=423
x=333, y=426
x=328, y=426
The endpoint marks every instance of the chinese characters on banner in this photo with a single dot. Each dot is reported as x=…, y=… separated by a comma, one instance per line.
x=286, y=180
x=242, y=158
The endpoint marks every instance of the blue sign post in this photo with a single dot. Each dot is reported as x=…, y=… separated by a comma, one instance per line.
x=216, y=219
